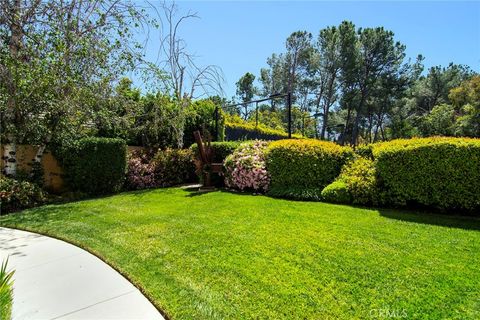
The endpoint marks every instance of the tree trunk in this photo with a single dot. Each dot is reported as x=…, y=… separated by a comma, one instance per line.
x=375, y=135
x=324, y=125
x=370, y=128
x=39, y=154
x=328, y=104
x=353, y=140
x=383, y=133
x=14, y=45
x=347, y=122
x=354, y=137
x=10, y=157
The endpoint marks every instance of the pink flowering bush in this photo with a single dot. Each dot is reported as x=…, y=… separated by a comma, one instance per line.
x=140, y=172
x=245, y=168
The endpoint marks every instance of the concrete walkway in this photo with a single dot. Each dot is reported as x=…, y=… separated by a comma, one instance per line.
x=56, y=280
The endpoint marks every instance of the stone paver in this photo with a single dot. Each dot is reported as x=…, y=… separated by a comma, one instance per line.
x=56, y=280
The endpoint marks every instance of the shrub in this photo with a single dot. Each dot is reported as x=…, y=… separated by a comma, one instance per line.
x=246, y=169
x=96, y=165
x=221, y=149
x=356, y=184
x=17, y=195
x=140, y=172
x=442, y=173
x=173, y=166
x=300, y=169
x=164, y=168
x=250, y=131
x=336, y=192
x=365, y=151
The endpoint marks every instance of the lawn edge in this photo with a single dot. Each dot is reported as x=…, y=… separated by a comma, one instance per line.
x=81, y=246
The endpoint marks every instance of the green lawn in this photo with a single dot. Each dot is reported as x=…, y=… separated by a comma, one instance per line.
x=224, y=255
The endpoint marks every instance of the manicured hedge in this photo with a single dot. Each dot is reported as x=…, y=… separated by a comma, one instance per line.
x=337, y=192
x=248, y=131
x=356, y=184
x=300, y=169
x=96, y=166
x=442, y=173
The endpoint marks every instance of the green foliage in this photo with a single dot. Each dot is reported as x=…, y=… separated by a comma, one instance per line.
x=161, y=122
x=173, y=167
x=365, y=151
x=95, y=165
x=6, y=291
x=200, y=115
x=336, y=192
x=442, y=173
x=37, y=174
x=220, y=149
x=245, y=88
x=434, y=105
x=57, y=72
x=439, y=122
x=356, y=184
x=17, y=195
x=358, y=180
x=300, y=169
x=268, y=118
x=466, y=100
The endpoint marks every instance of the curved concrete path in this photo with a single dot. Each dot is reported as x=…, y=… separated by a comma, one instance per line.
x=57, y=280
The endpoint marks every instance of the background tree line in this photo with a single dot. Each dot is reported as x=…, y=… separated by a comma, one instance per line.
x=63, y=65
x=355, y=85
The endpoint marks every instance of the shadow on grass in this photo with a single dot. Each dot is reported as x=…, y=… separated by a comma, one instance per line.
x=195, y=192
x=407, y=215
x=437, y=219
x=39, y=215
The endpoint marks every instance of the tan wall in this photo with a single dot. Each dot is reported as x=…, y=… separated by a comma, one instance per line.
x=53, y=173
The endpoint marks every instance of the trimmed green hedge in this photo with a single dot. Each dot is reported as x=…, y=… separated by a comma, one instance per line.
x=356, y=184
x=337, y=192
x=442, y=173
x=300, y=169
x=96, y=166
x=249, y=131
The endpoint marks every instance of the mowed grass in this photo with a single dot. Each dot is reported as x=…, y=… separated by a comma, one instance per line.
x=223, y=255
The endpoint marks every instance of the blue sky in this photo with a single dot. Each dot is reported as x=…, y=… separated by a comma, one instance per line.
x=239, y=36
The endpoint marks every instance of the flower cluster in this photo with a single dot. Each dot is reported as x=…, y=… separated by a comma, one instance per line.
x=16, y=195
x=245, y=168
x=140, y=172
